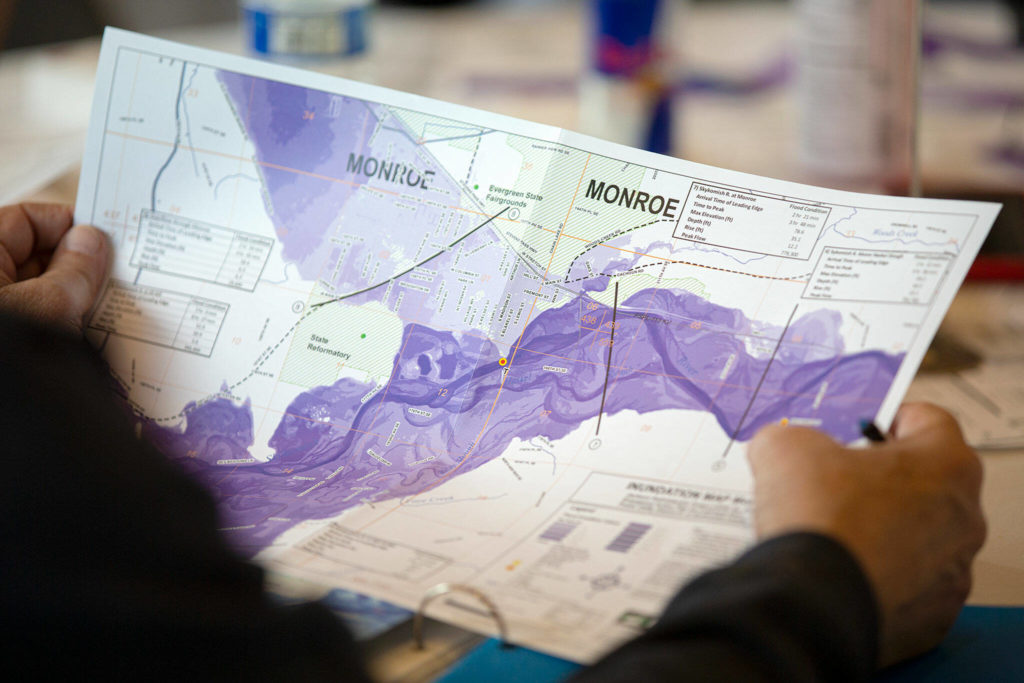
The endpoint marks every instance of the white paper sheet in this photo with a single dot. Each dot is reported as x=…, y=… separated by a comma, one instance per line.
x=405, y=342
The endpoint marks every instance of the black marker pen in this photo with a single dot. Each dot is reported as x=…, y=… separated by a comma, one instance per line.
x=871, y=431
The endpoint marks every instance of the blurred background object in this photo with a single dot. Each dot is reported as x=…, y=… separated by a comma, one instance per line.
x=736, y=104
x=306, y=29
x=1017, y=8
x=627, y=92
x=858, y=89
x=35, y=22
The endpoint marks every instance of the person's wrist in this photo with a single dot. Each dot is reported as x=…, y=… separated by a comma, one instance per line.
x=833, y=577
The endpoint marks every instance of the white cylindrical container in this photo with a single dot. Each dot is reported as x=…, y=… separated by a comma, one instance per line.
x=626, y=95
x=857, y=92
x=306, y=28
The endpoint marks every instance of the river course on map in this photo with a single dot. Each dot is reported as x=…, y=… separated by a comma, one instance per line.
x=450, y=406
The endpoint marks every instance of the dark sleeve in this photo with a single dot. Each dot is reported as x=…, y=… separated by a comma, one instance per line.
x=110, y=562
x=794, y=608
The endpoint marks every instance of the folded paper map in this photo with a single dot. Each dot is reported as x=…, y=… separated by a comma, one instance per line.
x=404, y=342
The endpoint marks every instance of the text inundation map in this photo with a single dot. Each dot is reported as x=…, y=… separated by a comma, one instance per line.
x=404, y=342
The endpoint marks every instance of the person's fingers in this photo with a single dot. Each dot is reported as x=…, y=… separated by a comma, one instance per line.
x=926, y=420
x=66, y=290
x=77, y=269
x=785, y=460
x=49, y=270
x=907, y=510
x=50, y=222
x=26, y=228
x=34, y=266
x=934, y=437
x=775, y=447
x=921, y=622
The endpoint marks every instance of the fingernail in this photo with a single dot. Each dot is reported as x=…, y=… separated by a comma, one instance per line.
x=84, y=239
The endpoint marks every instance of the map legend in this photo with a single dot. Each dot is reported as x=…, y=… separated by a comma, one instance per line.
x=737, y=219
x=877, y=276
x=200, y=251
x=159, y=316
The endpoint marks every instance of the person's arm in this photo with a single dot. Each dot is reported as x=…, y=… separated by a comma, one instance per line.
x=866, y=561
x=113, y=553
x=793, y=608
x=50, y=270
x=111, y=566
x=909, y=511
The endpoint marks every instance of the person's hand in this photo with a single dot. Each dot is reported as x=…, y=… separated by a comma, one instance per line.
x=907, y=509
x=49, y=270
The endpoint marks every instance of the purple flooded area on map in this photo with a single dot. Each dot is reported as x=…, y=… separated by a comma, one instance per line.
x=316, y=152
x=336, y=449
x=449, y=406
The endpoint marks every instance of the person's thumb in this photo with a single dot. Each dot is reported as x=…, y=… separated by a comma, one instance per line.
x=65, y=292
x=776, y=450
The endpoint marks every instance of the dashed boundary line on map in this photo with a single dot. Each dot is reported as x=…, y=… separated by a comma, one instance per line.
x=728, y=270
x=633, y=270
x=413, y=267
x=604, y=242
x=270, y=351
x=228, y=392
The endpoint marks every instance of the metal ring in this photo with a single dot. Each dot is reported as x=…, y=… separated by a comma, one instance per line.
x=444, y=589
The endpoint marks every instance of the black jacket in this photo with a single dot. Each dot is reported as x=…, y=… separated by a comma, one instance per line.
x=111, y=566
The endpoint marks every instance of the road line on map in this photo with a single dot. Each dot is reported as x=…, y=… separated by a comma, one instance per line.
x=551, y=260
x=501, y=385
x=273, y=349
x=768, y=367
x=177, y=135
x=311, y=310
x=608, y=369
x=411, y=268
x=639, y=329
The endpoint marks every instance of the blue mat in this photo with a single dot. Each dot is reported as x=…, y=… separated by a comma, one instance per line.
x=986, y=644
x=493, y=663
